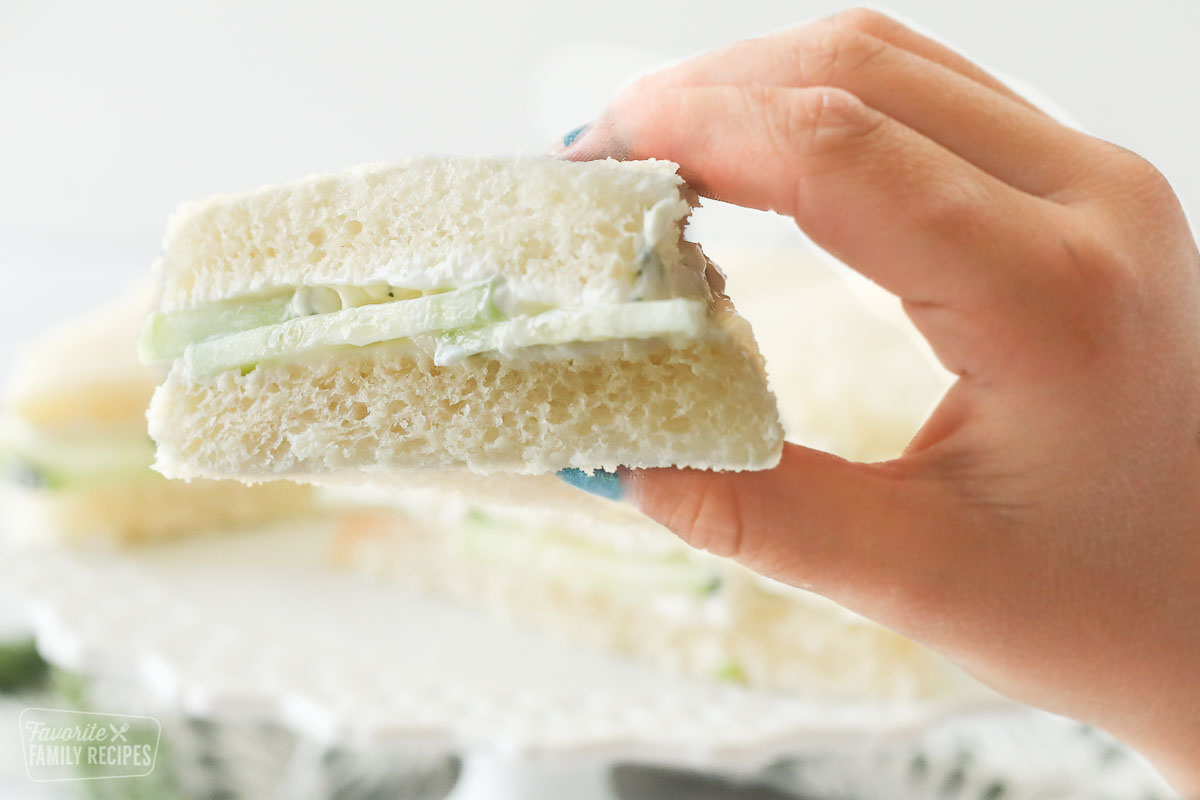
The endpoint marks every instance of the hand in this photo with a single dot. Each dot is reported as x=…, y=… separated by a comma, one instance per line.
x=1043, y=527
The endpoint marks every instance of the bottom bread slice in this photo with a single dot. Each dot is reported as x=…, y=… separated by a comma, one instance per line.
x=703, y=405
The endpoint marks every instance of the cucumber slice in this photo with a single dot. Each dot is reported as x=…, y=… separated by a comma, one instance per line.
x=165, y=335
x=637, y=320
x=351, y=326
x=80, y=462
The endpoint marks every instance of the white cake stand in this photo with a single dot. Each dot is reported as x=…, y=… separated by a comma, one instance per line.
x=258, y=626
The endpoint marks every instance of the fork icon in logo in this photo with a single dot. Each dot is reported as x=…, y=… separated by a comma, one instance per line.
x=118, y=733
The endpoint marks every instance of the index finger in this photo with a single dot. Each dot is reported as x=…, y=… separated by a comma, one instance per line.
x=922, y=222
x=991, y=129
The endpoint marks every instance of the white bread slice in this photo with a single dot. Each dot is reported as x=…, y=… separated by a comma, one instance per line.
x=556, y=231
x=568, y=234
x=81, y=386
x=688, y=406
x=84, y=374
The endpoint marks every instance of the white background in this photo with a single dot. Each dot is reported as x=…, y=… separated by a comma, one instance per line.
x=112, y=112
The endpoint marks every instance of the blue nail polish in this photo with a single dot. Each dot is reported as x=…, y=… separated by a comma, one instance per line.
x=599, y=482
x=569, y=138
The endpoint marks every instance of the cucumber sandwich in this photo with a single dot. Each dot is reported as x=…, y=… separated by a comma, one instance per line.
x=75, y=458
x=542, y=556
x=493, y=314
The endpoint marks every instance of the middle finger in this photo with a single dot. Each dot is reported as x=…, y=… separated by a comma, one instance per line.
x=1008, y=139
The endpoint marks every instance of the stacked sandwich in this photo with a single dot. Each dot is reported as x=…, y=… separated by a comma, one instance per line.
x=75, y=456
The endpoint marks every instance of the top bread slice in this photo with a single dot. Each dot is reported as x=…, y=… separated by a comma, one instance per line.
x=541, y=236
x=554, y=231
x=83, y=374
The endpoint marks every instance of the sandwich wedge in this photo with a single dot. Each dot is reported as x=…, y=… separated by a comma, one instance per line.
x=538, y=554
x=493, y=314
x=75, y=459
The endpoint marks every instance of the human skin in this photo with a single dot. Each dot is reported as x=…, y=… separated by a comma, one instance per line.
x=1043, y=527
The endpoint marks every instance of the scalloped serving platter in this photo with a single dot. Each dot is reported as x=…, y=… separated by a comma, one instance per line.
x=257, y=625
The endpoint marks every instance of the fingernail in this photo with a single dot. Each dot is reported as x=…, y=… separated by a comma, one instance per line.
x=569, y=137
x=600, y=482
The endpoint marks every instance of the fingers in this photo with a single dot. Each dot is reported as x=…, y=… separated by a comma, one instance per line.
x=854, y=532
x=920, y=221
x=883, y=27
x=1001, y=135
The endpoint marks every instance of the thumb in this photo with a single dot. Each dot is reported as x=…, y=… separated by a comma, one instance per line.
x=860, y=534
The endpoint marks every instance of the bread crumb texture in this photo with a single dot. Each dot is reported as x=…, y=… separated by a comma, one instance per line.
x=568, y=228
x=705, y=405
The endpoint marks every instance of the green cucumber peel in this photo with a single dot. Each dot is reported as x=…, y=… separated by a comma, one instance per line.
x=166, y=334
x=359, y=326
x=78, y=463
